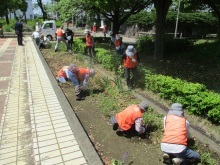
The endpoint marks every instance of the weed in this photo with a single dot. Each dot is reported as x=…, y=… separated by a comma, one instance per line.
x=118, y=83
x=207, y=160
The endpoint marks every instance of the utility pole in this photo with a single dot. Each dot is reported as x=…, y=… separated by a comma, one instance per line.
x=177, y=19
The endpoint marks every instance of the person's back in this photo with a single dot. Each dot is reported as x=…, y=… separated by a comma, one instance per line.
x=175, y=137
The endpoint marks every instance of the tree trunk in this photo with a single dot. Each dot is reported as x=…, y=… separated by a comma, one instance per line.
x=218, y=29
x=40, y=4
x=7, y=19
x=161, y=12
x=116, y=25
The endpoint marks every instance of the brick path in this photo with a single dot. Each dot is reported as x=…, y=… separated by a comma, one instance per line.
x=38, y=126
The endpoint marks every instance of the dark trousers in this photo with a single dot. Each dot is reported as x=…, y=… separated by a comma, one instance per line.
x=129, y=80
x=19, y=38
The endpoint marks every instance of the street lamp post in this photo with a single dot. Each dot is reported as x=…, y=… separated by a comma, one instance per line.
x=177, y=19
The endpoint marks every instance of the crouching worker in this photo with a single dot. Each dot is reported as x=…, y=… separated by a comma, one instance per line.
x=44, y=42
x=175, y=136
x=78, y=76
x=130, y=121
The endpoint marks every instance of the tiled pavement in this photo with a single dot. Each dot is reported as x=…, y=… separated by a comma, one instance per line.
x=38, y=126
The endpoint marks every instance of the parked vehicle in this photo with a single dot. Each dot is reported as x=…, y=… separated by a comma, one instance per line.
x=48, y=29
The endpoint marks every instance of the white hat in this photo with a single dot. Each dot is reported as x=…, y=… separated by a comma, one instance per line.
x=117, y=37
x=73, y=68
x=92, y=72
x=86, y=31
x=130, y=51
x=144, y=105
x=176, y=107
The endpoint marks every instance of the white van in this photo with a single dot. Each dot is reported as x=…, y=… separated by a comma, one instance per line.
x=48, y=29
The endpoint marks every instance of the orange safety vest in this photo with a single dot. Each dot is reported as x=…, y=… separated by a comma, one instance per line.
x=127, y=117
x=117, y=42
x=94, y=28
x=128, y=63
x=104, y=29
x=175, y=130
x=59, y=32
x=89, y=40
x=62, y=73
x=81, y=73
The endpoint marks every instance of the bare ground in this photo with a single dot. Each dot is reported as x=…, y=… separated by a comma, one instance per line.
x=108, y=144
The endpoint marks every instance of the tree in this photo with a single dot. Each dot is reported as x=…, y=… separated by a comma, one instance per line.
x=162, y=7
x=212, y=6
x=12, y=6
x=41, y=6
x=116, y=11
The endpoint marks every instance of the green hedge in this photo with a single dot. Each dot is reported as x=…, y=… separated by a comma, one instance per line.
x=194, y=96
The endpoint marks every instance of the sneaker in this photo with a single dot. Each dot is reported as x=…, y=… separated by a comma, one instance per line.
x=166, y=156
x=177, y=161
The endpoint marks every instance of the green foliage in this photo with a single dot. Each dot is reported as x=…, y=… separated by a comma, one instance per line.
x=116, y=162
x=153, y=120
x=7, y=28
x=145, y=45
x=207, y=160
x=109, y=60
x=195, y=97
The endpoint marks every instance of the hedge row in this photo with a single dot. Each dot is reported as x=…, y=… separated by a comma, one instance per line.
x=195, y=97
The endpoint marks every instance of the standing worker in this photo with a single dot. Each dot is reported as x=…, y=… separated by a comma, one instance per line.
x=104, y=30
x=89, y=43
x=118, y=44
x=18, y=31
x=94, y=29
x=131, y=61
x=69, y=36
x=130, y=120
x=60, y=34
x=36, y=36
x=175, y=136
x=37, y=27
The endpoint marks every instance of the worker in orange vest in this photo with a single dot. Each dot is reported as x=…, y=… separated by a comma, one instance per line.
x=131, y=60
x=118, y=44
x=175, y=137
x=94, y=29
x=89, y=43
x=78, y=76
x=130, y=120
x=60, y=34
x=104, y=30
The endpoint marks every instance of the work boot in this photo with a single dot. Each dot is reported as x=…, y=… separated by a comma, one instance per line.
x=177, y=161
x=115, y=126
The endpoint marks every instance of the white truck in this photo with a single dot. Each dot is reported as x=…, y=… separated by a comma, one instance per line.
x=48, y=29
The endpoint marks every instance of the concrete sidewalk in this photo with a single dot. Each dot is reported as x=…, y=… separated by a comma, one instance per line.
x=38, y=126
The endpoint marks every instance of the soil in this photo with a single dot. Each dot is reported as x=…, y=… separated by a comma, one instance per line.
x=134, y=150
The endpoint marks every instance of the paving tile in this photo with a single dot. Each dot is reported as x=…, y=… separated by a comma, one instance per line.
x=49, y=148
x=68, y=143
x=64, y=133
x=49, y=155
x=66, y=138
x=79, y=161
x=47, y=142
x=74, y=155
x=52, y=161
x=70, y=149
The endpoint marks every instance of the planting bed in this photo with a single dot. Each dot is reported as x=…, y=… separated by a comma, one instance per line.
x=133, y=150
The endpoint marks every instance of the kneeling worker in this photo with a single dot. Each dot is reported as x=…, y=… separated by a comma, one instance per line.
x=175, y=136
x=78, y=76
x=130, y=120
